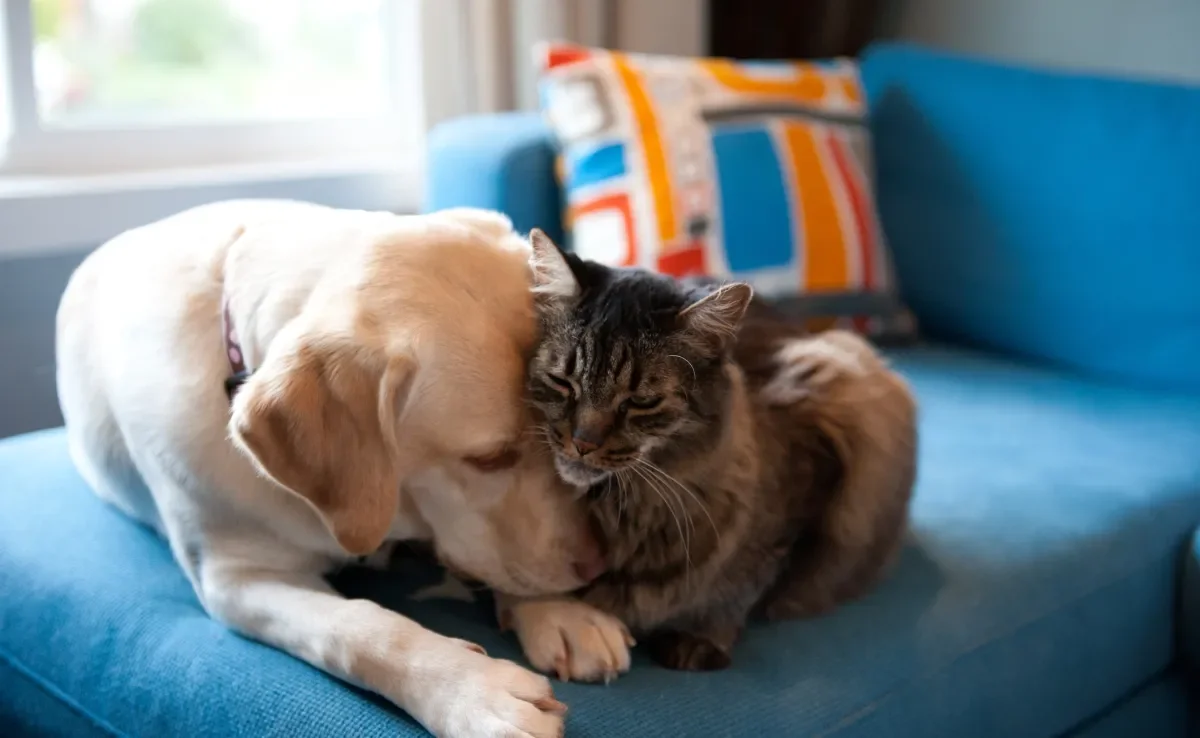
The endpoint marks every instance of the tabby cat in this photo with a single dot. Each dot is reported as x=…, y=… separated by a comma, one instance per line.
x=732, y=464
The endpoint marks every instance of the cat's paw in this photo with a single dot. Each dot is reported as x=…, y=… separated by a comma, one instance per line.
x=687, y=652
x=807, y=365
x=571, y=639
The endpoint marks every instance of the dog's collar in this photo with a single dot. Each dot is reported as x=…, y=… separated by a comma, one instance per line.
x=238, y=373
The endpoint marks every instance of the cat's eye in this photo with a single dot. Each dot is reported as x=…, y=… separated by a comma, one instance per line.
x=505, y=458
x=643, y=403
x=562, y=384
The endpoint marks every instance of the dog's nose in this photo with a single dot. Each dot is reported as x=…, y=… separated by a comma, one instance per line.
x=588, y=569
x=590, y=562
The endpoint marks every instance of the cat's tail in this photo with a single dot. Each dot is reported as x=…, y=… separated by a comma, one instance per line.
x=869, y=416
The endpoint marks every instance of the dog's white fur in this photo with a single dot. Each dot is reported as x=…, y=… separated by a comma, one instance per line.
x=388, y=353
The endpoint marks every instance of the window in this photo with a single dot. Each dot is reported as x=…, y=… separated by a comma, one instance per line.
x=116, y=112
x=137, y=61
x=95, y=86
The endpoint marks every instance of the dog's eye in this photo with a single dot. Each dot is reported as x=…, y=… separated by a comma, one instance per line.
x=562, y=384
x=503, y=459
x=643, y=403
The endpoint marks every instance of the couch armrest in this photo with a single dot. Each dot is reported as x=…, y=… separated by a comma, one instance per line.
x=502, y=161
x=1191, y=606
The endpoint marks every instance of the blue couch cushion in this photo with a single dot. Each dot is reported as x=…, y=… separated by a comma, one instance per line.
x=1159, y=709
x=500, y=162
x=1039, y=586
x=1050, y=215
x=97, y=619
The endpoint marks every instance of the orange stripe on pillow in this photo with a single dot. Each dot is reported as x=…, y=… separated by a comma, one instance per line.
x=824, y=247
x=853, y=177
x=852, y=89
x=652, y=147
x=807, y=86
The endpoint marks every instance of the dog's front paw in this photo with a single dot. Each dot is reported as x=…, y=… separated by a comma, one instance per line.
x=470, y=695
x=571, y=639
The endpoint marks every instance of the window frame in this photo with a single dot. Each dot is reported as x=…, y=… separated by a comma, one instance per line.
x=31, y=147
x=52, y=203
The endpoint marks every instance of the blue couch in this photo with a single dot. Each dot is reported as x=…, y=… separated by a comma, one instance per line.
x=1051, y=582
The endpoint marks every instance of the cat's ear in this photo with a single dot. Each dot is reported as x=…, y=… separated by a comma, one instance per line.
x=552, y=275
x=715, y=318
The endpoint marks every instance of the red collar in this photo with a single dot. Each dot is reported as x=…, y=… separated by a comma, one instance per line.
x=238, y=373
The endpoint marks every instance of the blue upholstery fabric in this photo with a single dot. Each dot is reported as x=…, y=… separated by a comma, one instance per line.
x=1039, y=587
x=502, y=162
x=97, y=617
x=1044, y=214
x=1159, y=709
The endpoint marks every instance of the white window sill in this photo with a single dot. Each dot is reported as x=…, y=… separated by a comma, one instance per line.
x=55, y=214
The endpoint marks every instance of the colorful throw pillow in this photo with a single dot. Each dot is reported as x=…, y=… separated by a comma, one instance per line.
x=755, y=171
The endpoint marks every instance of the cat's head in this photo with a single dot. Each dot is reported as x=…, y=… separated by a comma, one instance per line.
x=631, y=364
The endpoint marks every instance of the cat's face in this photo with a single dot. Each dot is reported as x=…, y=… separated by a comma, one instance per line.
x=629, y=363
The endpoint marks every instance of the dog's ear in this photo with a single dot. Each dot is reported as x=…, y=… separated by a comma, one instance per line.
x=319, y=418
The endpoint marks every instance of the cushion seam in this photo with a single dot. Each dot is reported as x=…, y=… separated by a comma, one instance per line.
x=1125, y=699
x=58, y=694
x=850, y=720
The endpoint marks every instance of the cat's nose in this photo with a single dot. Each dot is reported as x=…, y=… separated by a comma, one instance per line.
x=591, y=428
x=586, y=443
x=583, y=447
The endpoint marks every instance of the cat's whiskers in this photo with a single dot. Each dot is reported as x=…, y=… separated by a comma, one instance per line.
x=537, y=431
x=690, y=365
x=685, y=540
x=658, y=474
x=544, y=435
x=683, y=522
x=612, y=486
x=689, y=527
x=695, y=498
x=622, y=492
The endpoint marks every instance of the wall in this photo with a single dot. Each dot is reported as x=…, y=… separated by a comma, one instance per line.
x=29, y=291
x=1144, y=37
x=647, y=26
x=662, y=26
x=47, y=226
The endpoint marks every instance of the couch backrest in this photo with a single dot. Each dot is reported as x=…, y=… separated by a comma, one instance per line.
x=1050, y=215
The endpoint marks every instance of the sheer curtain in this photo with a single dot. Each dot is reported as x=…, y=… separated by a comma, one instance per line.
x=478, y=56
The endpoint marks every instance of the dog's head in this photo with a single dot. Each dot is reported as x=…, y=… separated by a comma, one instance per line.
x=406, y=368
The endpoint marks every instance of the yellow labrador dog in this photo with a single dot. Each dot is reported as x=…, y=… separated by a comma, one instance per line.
x=381, y=361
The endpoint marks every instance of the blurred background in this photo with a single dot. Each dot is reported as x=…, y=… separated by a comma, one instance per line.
x=108, y=62
x=117, y=112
